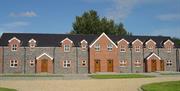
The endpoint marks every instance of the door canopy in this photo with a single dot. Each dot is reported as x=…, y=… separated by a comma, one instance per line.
x=44, y=55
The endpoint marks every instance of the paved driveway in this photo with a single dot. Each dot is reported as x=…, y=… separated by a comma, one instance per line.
x=82, y=85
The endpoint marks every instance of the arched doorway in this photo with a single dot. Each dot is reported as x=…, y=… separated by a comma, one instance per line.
x=44, y=65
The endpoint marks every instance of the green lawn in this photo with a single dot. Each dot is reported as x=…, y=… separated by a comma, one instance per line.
x=169, y=73
x=118, y=76
x=31, y=75
x=163, y=86
x=6, y=89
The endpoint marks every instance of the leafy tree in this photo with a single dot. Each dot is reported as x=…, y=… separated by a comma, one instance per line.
x=91, y=23
x=177, y=41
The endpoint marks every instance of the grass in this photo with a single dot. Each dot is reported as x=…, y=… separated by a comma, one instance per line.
x=169, y=73
x=31, y=75
x=162, y=86
x=109, y=76
x=6, y=89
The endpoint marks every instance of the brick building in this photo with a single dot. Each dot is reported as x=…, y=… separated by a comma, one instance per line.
x=31, y=53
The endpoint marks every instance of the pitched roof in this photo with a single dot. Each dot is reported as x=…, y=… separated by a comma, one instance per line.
x=53, y=40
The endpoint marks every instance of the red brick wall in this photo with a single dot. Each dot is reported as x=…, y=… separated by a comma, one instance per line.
x=103, y=55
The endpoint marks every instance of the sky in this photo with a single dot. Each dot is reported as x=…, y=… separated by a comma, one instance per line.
x=141, y=17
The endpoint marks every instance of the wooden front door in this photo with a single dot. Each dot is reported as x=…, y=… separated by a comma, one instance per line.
x=162, y=65
x=44, y=65
x=153, y=66
x=97, y=66
x=110, y=65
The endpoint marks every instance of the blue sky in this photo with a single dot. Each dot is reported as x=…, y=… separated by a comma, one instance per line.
x=141, y=17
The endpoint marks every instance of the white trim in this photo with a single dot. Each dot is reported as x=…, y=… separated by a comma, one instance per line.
x=66, y=39
x=13, y=39
x=100, y=37
x=68, y=48
x=137, y=40
x=122, y=40
x=32, y=40
x=151, y=40
x=168, y=41
x=45, y=55
x=83, y=41
x=154, y=55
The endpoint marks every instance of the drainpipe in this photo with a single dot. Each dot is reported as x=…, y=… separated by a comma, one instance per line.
x=77, y=60
x=54, y=60
x=35, y=69
x=3, y=59
x=143, y=61
x=24, y=60
x=131, y=61
x=177, y=60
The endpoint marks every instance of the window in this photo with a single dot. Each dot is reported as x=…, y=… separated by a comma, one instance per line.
x=137, y=63
x=168, y=48
x=13, y=63
x=169, y=63
x=66, y=48
x=32, y=62
x=122, y=49
x=83, y=63
x=67, y=64
x=123, y=63
x=32, y=44
x=150, y=47
x=137, y=48
x=14, y=47
x=84, y=47
x=97, y=47
x=110, y=47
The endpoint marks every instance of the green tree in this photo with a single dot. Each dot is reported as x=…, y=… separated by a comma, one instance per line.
x=91, y=23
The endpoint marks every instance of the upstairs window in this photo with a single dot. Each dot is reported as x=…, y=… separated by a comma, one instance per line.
x=32, y=43
x=14, y=47
x=13, y=63
x=66, y=64
x=138, y=63
x=137, y=48
x=169, y=49
x=83, y=63
x=150, y=47
x=123, y=63
x=122, y=49
x=110, y=47
x=66, y=48
x=83, y=47
x=169, y=63
x=97, y=47
x=32, y=62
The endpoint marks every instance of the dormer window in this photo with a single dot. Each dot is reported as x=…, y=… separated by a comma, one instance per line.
x=32, y=43
x=110, y=47
x=66, y=48
x=137, y=48
x=14, y=47
x=97, y=47
x=122, y=49
x=169, y=49
x=84, y=47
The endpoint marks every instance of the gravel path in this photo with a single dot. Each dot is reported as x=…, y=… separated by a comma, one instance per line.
x=82, y=85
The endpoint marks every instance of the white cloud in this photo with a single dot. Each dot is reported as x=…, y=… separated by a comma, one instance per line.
x=169, y=17
x=173, y=32
x=23, y=14
x=121, y=9
x=13, y=26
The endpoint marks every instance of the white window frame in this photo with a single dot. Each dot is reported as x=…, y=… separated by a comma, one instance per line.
x=169, y=49
x=169, y=63
x=97, y=47
x=66, y=64
x=84, y=47
x=138, y=63
x=122, y=49
x=84, y=63
x=14, y=47
x=66, y=48
x=110, y=47
x=123, y=63
x=32, y=44
x=137, y=48
x=13, y=63
x=31, y=63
